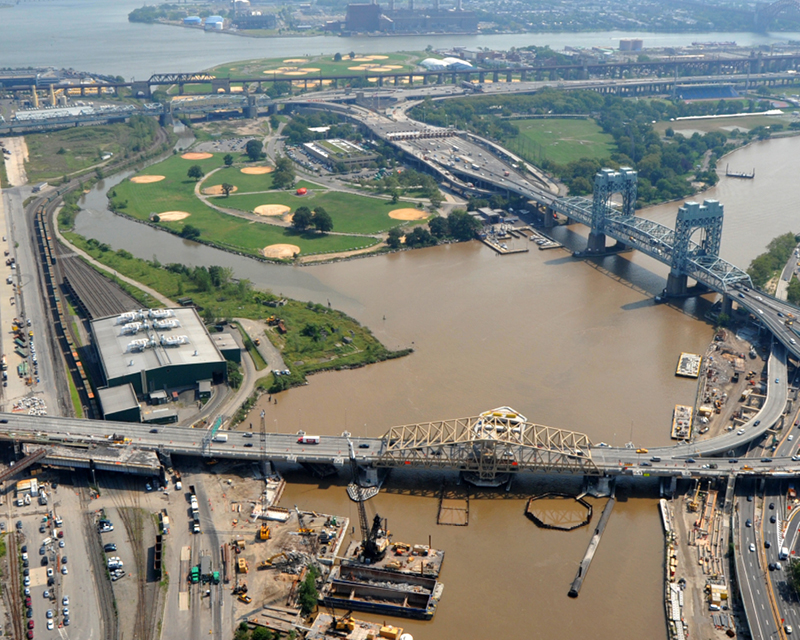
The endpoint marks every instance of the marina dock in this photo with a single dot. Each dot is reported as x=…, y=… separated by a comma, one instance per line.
x=577, y=583
x=501, y=247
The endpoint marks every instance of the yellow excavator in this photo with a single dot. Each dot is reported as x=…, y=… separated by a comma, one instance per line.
x=263, y=534
x=268, y=562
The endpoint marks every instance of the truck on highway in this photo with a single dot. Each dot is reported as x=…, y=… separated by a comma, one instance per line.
x=784, y=553
x=195, y=575
x=220, y=437
x=205, y=568
x=308, y=440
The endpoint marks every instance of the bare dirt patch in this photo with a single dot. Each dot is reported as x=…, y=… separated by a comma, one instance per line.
x=295, y=60
x=271, y=209
x=216, y=190
x=146, y=179
x=280, y=251
x=173, y=216
x=408, y=214
x=195, y=155
x=257, y=171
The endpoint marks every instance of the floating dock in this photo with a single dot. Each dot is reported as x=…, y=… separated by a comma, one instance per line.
x=577, y=583
x=325, y=627
x=360, y=588
x=544, y=241
x=402, y=558
x=689, y=365
x=739, y=174
x=501, y=247
x=682, y=422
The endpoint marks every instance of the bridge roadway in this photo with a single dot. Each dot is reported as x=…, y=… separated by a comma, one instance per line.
x=671, y=460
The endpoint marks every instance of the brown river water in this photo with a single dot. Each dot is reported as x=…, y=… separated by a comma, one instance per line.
x=571, y=344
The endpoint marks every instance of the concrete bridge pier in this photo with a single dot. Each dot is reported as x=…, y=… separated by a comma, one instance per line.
x=727, y=305
x=495, y=77
x=548, y=217
x=142, y=88
x=524, y=75
x=596, y=243
x=676, y=285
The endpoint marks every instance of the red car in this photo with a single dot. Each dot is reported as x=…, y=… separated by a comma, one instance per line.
x=30, y=634
x=60, y=534
x=30, y=624
x=27, y=601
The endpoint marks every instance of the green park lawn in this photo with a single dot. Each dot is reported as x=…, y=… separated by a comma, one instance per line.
x=325, y=64
x=351, y=213
x=244, y=183
x=176, y=193
x=562, y=140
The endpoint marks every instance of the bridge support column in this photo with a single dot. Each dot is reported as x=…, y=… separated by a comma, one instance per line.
x=140, y=90
x=524, y=75
x=727, y=305
x=481, y=77
x=596, y=243
x=424, y=79
x=548, y=218
x=676, y=285
x=495, y=77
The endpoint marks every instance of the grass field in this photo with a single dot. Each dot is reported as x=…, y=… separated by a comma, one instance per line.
x=350, y=213
x=243, y=182
x=52, y=155
x=176, y=193
x=325, y=64
x=561, y=140
x=706, y=125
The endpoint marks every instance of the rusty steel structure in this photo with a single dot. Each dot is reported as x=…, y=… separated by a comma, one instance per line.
x=489, y=445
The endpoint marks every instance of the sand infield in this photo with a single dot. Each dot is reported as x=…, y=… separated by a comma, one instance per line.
x=271, y=209
x=173, y=216
x=295, y=73
x=216, y=190
x=280, y=251
x=257, y=171
x=407, y=214
x=377, y=57
x=146, y=179
x=196, y=155
x=294, y=60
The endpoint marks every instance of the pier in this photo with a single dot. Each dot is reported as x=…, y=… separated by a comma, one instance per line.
x=739, y=174
x=583, y=569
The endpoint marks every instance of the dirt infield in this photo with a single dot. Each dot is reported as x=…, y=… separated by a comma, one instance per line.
x=280, y=251
x=295, y=73
x=146, y=179
x=257, y=171
x=271, y=209
x=408, y=214
x=377, y=57
x=195, y=155
x=295, y=60
x=173, y=216
x=217, y=190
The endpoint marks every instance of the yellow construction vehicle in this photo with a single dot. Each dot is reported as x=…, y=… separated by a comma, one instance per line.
x=242, y=565
x=344, y=623
x=304, y=531
x=268, y=562
x=264, y=532
x=694, y=502
x=245, y=599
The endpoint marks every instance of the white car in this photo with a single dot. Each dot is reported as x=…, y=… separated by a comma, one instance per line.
x=752, y=547
x=26, y=581
x=740, y=432
x=64, y=570
x=65, y=601
x=790, y=438
x=49, y=572
x=50, y=625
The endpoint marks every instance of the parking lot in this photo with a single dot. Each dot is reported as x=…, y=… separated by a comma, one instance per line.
x=60, y=580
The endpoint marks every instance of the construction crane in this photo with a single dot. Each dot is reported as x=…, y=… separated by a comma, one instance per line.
x=694, y=503
x=306, y=532
x=373, y=540
x=345, y=623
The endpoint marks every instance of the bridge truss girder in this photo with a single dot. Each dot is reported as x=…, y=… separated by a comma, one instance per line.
x=463, y=444
x=179, y=78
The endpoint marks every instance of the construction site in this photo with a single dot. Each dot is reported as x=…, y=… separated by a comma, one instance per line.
x=697, y=585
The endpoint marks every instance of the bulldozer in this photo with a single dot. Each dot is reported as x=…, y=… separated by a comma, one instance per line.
x=264, y=532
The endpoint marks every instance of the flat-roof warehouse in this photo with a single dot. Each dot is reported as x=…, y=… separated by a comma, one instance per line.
x=156, y=349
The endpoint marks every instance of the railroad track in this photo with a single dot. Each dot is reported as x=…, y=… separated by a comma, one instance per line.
x=132, y=517
x=100, y=296
x=14, y=585
x=98, y=560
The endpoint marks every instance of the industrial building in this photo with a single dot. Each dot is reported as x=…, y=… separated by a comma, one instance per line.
x=335, y=152
x=156, y=349
x=120, y=403
x=369, y=18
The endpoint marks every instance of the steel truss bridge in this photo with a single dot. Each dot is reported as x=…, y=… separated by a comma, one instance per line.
x=674, y=247
x=494, y=443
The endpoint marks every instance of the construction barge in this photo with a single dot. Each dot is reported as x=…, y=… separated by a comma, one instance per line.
x=739, y=174
x=356, y=587
x=682, y=422
x=689, y=365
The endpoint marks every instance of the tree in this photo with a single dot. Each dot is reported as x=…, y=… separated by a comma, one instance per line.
x=190, y=232
x=156, y=218
x=462, y=225
x=195, y=172
x=670, y=132
x=393, y=239
x=234, y=375
x=228, y=159
x=227, y=188
x=254, y=148
x=307, y=593
x=302, y=218
x=261, y=633
x=322, y=220
x=337, y=57
x=439, y=227
x=283, y=176
x=395, y=196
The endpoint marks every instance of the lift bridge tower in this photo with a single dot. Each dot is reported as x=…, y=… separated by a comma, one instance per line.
x=607, y=182
x=693, y=216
